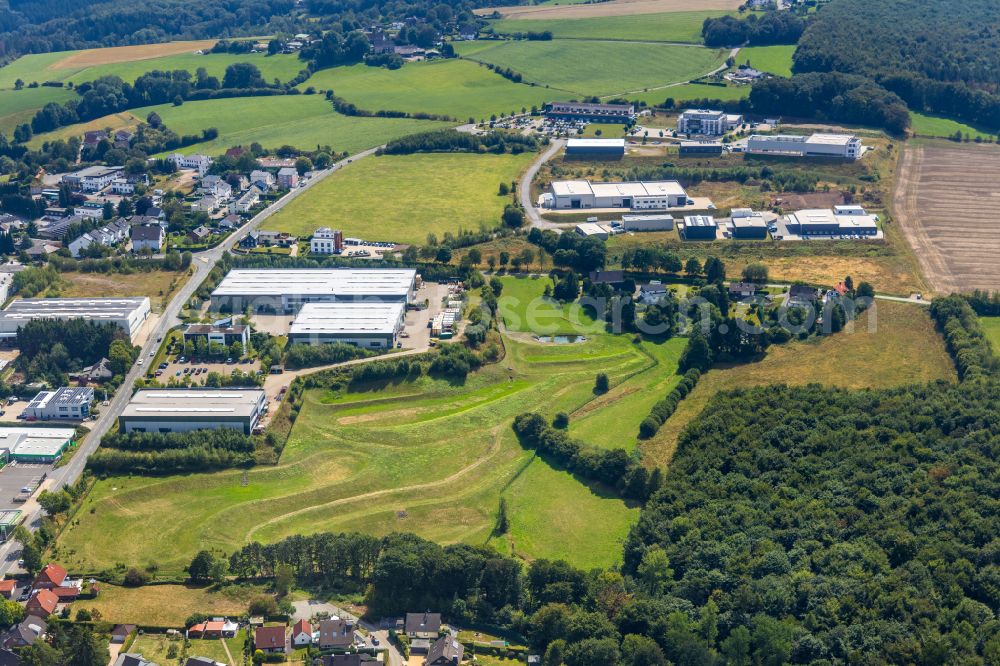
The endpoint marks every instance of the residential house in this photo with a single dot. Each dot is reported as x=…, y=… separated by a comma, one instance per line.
x=200, y=163
x=302, y=633
x=121, y=632
x=93, y=210
x=132, y=659
x=206, y=204
x=446, y=651
x=288, y=178
x=264, y=180
x=199, y=234
x=148, y=237
x=250, y=241
x=326, y=241
x=353, y=659
x=78, y=245
x=651, y=293
x=230, y=222
x=801, y=295
x=97, y=373
x=216, y=187
x=7, y=588
x=276, y=239
x=123, y=138
x=335, y=633
x=122, y=186
x=607, y=277
x=269, y=639
x=275, y=162
x=94, y=137
x=51, y=575
x=247, y=201
x=423, y=625
x=202, y=661
x=42, y=604
x=24, y=633
x=41, y=248
x=742, y=290
x=215, y=628
x=235, y=151
x=155, y=212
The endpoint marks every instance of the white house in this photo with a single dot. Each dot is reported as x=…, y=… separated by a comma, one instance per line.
x=216, y=187
x=264, y=180
x=206, y=204
x=246, y=202
x=122, y=186
x=80, y=244
x=148, y=237
x=326, y=241
x=199, y=163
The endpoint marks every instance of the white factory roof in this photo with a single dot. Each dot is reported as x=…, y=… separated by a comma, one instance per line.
x=88, y=308
x=596, y=143
x=592, y=229
x=35, y=441
x=630, y=189
x=647, y=218
x=824, y=216
x=346, y=318
x=565, y=188
x=194, y=402
x=831, y=139
x=316, y=281
x=699, y=221
x=745, y=217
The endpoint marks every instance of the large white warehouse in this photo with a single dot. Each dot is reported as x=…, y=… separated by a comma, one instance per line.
x=652, y=195
x=183, y=410
x=287, y=290
x=845, y=146
x=129, y=314
x=369, y=325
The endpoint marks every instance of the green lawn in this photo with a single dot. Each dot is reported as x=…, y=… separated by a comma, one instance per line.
x=19, y=106
x=455, y=88
x=692, y=91
x=155, y=647
x=928, y=125
x=304, y=121
x=991, y=326
x=772, y=59
x=50, y=67
x=599, y=67
x=665, y=27
x=403, y=198
x=524, y=309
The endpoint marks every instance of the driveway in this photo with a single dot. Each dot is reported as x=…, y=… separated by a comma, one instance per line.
x=305, y=610
x=524, y=189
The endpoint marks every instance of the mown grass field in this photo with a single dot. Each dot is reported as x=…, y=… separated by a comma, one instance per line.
x=904, y=348
x=772, y=59
x=931, y=126
x=455, y=88
x=665, y=27
x=404, y=198
x=165, y=605
x=688, y=91
x=158, y=285
x=991, y=326
x=19, y=106
x=155, y=647
x=599, y=67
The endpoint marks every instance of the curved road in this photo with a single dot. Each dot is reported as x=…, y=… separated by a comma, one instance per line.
x=524, y=187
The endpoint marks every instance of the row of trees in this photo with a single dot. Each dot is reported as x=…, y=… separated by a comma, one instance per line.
x=964, y=337
x=450, y=140
x=773, y=27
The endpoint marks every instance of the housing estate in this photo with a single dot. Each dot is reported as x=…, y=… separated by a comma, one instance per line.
x=128, y=314
x=707, y=121
x=184, y=410
x=327, y=241
x=368, y=325
x=286, y=290
x=591, y=113
x=35, y=445
x=612, y=149
x=640, y=195
x=62, y=404
x=845, y=146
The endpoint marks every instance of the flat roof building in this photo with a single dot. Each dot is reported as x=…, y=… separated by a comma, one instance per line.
x=700, y=148
x=707, y=121
x=854, y=221
x=287, y=290
x=591, y=113
x=218, y=335
x=699, y=227
x=748, y=224
x=184, y=410
x=129, y=314
x=593, y=230
x=35, y=445
x=62, y=404
x=595, y=148
x=844, y=146
x=647, y=222
x=368, y=325
x=638, y=195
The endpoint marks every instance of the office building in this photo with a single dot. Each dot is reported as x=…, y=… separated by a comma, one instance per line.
x=590, y=113
x=842, y=221
x=184, y=410
x=129, y=314
x=218, y=335
x=368, y=325
x=61, y=404
x=327, y=241
x=286, y=290
x=843, y=146
x=748, y=224
x=707, y=122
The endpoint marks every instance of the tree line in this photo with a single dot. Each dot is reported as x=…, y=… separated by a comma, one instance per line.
x=450, y=140
x=964, y=337
x=170, y=453
x=773, y=27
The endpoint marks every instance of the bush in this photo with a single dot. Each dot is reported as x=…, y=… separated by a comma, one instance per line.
x=135, y=578
x=601, y=383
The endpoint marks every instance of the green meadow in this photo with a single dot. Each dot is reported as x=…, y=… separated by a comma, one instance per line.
x=599, y=67
x=403, y=198
x=691, y=91
x=19, y=106
x=991, y=326
x=455, y=88
x=927, y=125
x=665, y=27
x=775, y=60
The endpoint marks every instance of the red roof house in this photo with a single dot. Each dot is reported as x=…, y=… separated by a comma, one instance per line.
x=51, y=575
x=270, y=639
x=302, y=633
x=7, y=588
x=42, y=604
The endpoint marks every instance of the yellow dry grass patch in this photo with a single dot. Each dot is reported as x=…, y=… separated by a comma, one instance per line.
x=165, y=605
x=118, y=54
x=614, y=8
x=158, y=285
x=889, y=275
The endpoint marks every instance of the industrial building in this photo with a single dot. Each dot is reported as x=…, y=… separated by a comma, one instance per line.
x=748, y=224
x=35, y=445
x=707, y=122
x=92, y=179
x=129, y=314
x=591, y=113
x=326, y=241
x=700, y=148
x=224, y=335
x=368, y=325
x=612, y=149
x=844, y=146
x=699, y=227
x=61, y=404
x=184, y=410
x=658, y=195
x=593, y=230
x=647, y=222
x=841, y=221
x=286, y=290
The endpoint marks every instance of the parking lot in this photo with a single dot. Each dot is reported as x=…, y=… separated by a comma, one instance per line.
x=198, y=369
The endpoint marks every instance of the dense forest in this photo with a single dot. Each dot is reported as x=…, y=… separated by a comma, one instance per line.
x=942, y=57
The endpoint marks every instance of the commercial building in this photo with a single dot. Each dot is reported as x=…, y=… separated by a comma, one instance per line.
x=184, y=410
x=286, y=290
x=593, y=230
x=699, y=227
x=199, y=163
x=590, y=113
x=842, y=221
x=657, y=195
x=844, y=146
x=92, y=179
x=748, y=224
x=369, y=325
x=61, y=404
x=700, y=148
x=613, y=149
x=129, y=314
x=707, y=121
x=327, y=241
x=647, y=222
x=218, y=335
x=35, y=445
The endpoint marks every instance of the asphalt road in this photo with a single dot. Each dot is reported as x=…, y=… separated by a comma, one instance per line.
x=201, y=264
x=524, y=188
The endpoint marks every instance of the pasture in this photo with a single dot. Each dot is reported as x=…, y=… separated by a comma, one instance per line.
x=403, y=198
x=922, y=124
x=600, y=67
x=666, y=27
x=991, y=327
x=903, y=348
x=775, y=60
x=20, y=106
x=687, y=91
x=454, y=88
x=430, y=456
x=956, y=252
